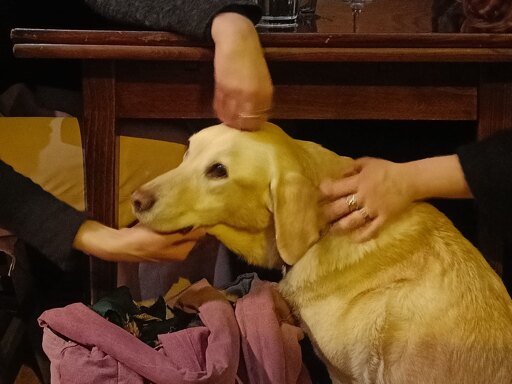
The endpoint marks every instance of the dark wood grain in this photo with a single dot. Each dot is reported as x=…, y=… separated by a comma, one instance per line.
x=307, y=102
x=275, y=39
x=101, y=147
x=494, y=99
x=95, y=37
x=310, y=54
x=355, y=91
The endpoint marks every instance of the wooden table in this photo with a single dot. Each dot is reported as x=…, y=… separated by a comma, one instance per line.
x=394, y=68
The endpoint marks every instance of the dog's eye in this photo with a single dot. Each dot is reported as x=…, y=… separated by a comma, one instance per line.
x=217, y=171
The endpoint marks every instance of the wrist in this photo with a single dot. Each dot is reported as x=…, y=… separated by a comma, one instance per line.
x=410, y=174
x=436, y=177
x=231, y=26
x=96, y=239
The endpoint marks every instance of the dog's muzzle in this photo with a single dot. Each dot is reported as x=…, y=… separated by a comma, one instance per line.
x=142, y=200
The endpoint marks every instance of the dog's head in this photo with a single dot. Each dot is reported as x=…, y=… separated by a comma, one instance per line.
x=257, y=192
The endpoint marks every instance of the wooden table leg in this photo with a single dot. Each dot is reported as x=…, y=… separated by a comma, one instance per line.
x=101, y=148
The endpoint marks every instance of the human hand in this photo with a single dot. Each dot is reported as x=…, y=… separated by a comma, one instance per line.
x=243, y=87
x=370, y=194
x=134, y=244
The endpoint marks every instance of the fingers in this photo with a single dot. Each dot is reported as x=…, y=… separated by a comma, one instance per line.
x=180, y=251
x=360, y=226
x=233, y=111
x=143, y=244
x=338, y=208
x=195, y=234
x=335, y=189
x=225, y=108
x=352, y=220
x=251, y=121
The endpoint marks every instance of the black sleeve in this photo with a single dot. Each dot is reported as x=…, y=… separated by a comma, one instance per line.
x=487, y=167
x=189, y=17
x=37, y=217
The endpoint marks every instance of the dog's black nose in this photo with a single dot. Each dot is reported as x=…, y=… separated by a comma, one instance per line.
x=142, y=200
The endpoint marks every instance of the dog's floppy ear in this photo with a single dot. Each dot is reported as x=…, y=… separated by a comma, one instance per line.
x=296, y=216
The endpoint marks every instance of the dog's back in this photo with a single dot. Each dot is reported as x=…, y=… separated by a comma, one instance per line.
x=419, y=304
x=416, y=305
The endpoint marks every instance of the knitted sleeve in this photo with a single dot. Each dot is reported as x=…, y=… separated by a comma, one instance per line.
x=189, y=17
x=487, y=166
x=37, y=217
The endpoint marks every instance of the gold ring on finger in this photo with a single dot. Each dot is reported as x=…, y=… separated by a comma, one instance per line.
x=247, y=116
x=352, y=203
x=364, y=213
x=253, y=115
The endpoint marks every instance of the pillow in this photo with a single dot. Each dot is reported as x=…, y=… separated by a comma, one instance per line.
x=49, y=151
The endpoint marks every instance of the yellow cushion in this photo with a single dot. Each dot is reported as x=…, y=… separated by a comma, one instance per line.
x=48, y=150
x=140, y=161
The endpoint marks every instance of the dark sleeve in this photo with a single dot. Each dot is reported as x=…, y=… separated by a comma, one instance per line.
x=487, y=167
x=37, y=217
x=188, y=17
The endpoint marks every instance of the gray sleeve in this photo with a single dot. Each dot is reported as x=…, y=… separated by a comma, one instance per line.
x=38, y=218
x=189, y=17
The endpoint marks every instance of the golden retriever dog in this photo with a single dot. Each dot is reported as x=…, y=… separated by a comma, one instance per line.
x=417, y=304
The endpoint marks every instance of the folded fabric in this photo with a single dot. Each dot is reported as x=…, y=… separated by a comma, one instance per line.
x=270, y=340
x=83, y=347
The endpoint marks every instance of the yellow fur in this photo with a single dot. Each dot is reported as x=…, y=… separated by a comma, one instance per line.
x=418, y=304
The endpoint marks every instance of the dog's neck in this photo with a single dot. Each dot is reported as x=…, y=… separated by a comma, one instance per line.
x=341, y=252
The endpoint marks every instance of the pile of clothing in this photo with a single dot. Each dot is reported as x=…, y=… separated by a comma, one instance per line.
x=244, y=333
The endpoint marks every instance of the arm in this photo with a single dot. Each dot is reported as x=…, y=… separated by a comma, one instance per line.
x=482, y=170
x=135, y=244
x=37, y=217
x=189, y=17
x=243, y=86
x=487, y=166
x=242, y=80
x=55, y=228
x=385, y=189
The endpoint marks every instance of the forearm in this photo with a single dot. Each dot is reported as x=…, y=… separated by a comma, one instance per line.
x=435, y=177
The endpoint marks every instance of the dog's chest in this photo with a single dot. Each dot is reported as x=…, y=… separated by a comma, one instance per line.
x=341, y=333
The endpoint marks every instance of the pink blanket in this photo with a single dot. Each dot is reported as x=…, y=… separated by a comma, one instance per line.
x=257, y=345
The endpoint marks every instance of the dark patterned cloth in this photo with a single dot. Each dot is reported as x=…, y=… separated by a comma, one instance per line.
x=190, y=17
x=146, y=323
